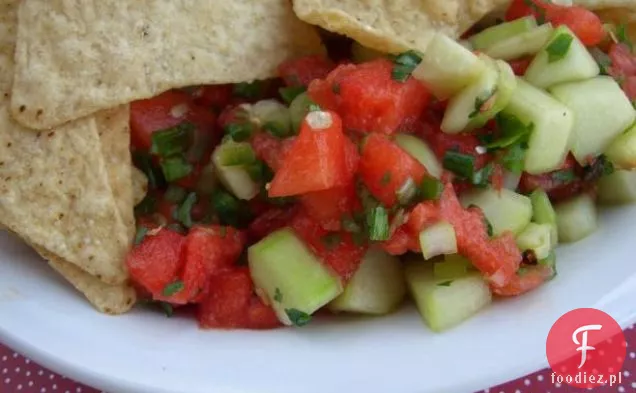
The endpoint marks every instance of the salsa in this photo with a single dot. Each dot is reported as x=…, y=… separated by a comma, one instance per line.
x=337, y=160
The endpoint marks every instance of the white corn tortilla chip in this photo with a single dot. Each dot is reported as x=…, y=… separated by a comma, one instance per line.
x=76, y=57
x=54, y=186
x=398, y=25
x=140, y=185
x=601, y=4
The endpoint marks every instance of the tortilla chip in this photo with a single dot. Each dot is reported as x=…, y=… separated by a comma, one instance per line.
x=621, y=16
x=602, y=4
x=76, y=57
x=54, y=186
x=398, y=25
x=140, y=185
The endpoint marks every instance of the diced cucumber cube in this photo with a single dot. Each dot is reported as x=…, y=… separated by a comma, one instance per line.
x=552, y=126
x=537, y=238
x=543, y=213
x=576, y=218
x=617, y=188
x=501, y=32
x=443, y=303
x=447, y=67
x=230, y=160
x=272, y=116
x=563, y=59
x=601, y=112
x=438, y=239
x=377, y=287
x=473, y=99
x=506, y=84
x=622, y=151
x=421, y=151
x=521, y=45
x=289, y=277
x=453, y=266
x=361, y=54
x=505, y=210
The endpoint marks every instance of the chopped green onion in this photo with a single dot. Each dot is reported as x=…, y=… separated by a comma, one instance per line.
x=230, y=210
x=431, y=189
x=239, y=132
x=559, y=47
x=248, y=90
x=623, y=36
x=140, y=235
x=236, y=154
x=514, y=157
x=378, y=224
x=144, y=162
x=175, y=168
x=167, y=308
x=256, y=170
x=298, y=318
x=290, y=93
x=404, y=64
x=407, y=192
x=171, y=141
x=462, y=165
x=173, y=288
x=481, y=178
x=174, y=194
x=512, y=131
x=184, y=211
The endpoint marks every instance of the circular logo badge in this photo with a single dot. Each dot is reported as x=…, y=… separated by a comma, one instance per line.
x=586, y=348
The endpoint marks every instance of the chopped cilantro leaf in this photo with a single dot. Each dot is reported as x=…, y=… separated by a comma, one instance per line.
x=175, y=168
x=298, y=318
x=167, y=308
x=512, y=131
x=378, y=223
x=173, y=288
x=278, y=295
x=184, y=211
x=559, y=47
x=173, y=140
x=513, y=159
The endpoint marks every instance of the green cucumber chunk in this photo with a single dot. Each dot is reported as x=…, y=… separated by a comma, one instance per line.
x=505, y=210
x=288, y=276
x=521, y=45
x=506, y=84
x=563, y=59
x=230, y=160
x=298, y=109
x=471, y=101
x=552, y=127
x=443, y=303
x=537, y=238
x=576, y=218
x=447, y=67
x=453, y=266
x=543, y=213
x=501, y=32
x=272, y=116
x=601, y=113
x=622, y=151
x=377, y=287
x=617, y=188
x=438, y=239
x=421, y=151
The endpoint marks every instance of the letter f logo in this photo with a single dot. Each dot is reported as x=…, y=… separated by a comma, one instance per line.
x=583, y=343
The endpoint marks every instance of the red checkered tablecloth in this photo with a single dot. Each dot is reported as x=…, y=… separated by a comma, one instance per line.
x=20, y=375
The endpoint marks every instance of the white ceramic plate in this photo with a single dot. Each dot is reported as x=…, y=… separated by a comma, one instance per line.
x=144, y=352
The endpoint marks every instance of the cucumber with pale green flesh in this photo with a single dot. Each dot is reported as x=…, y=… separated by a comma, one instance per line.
x=443, y=303
x=438, y=239
x=601, y=112
x=421, y=151
x=622, y=151
x=617, y=188
x=362, y=54
x=536, y=238
x=506, y=84
x=453, y=266
x=299, y=108
x=447, y=67
x=469, y=102
x=505, y=210
x=552, y=124
x=501, y=32
x=576, y=218
x=563, y=59
x=377, y=287
x=543, y=213
x=521, y=45
x=230, y=161
x=272, y=116
x=289, y=277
